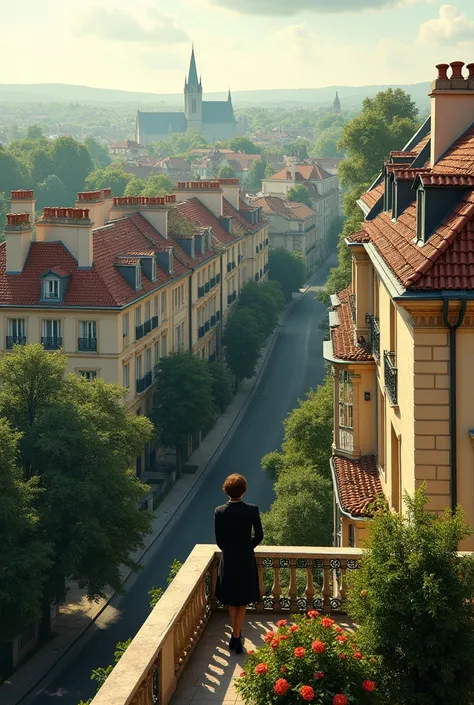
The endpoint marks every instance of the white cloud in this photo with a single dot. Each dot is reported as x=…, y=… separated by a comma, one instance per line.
x=296, y=39
x=294, y=7
x=118, y=25
x=450, y=27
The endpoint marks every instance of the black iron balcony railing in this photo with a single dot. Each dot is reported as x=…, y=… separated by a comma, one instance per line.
x=241, y=258
x=352, y=302
x=200, y=292
x=207, y=287
x=147, y=327
x=156, y=370
x=229, y=299
x=233, y=265
x=140, y=385
x=51, y=343
x=391, y=375
x=218, y=316
x=218, y=278
x=266, y=242
x=256, y=248
x=207, y=325
x=229, y=266
x=213, y=320
x=234, y=295
x=201, y=332
x=15, y=340
x=139, y=332
x=154, y=322
x=261, y=273
x=260, y=246
x=87, y=344
x=213, y=282
x=148, y=379
x=373, y=324
x=144, y=382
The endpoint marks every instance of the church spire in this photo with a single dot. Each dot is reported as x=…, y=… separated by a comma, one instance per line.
x=337, y=104
x=229, y=97
x=193, y=77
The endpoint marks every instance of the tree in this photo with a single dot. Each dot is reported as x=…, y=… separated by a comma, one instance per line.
x=300, y=148
x=24, y=553
x=221, y=386
x=158, y=185
x=72, y=163
x=326, y=144
x=12, y=174
x=226, y=172
x=242, y=144
x=299, y=193
x=412, y=597
x=242, y=341
x=264, y=302
x=134, y=187
x=256, y=174
x=184, y=404
x=98, y=152
x=80, y=444
x=51, y=192
x=288, y=269
x=391, y=104
x=301, y=514
x=113, y=177
x=34, y=132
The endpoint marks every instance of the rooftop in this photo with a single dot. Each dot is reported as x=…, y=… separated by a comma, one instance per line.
x=358, y=484
x=344, y=344
x=304, y=172
x=290, y=210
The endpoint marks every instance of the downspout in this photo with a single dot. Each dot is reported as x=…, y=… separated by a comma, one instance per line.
x=452, y=391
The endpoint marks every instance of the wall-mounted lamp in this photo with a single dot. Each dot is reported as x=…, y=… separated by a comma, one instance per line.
x=367, y=396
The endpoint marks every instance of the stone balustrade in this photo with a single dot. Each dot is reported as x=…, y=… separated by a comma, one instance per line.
x=292, y=579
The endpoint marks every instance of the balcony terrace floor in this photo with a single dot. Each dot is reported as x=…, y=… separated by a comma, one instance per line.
x=210, y=675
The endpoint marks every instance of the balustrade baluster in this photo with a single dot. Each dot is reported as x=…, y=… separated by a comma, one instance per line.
x=326, y=586
x=293, y=591
x=276, y=589
x=213, y=584
x=309, y=591
x=261, y=585
x=343, y=583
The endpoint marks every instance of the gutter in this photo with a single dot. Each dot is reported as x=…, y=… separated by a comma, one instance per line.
x=452, y=391
x=338, y=498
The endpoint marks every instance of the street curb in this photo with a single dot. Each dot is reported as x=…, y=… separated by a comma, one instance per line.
x=204, y=471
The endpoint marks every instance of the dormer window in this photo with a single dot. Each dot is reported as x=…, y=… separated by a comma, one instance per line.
x=420, y=214
x=138, y=277
x=153, y=269
x=51, y=289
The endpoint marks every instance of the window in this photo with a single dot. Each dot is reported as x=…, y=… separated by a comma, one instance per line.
x=164, y=346
x=125, y=325
x=16, y=332
x=193, y=105
x=155, y=305
x=51, y=289
x=147, y=311
x=148, y=360
x=153, y=269
x=51, y=334
x=156, y=353
x=89, y=375
x=126, y=376
x=163, y=305
x=87, y=329
x=352, y=536
x=138, y=315
x=138, y=367
x=179, y=339
x=346, y=412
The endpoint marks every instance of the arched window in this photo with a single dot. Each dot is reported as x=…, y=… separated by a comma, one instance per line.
x=193, y=105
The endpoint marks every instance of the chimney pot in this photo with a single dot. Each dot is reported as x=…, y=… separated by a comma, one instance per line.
x=442, y=70
x=456, y=67
x=470, y=68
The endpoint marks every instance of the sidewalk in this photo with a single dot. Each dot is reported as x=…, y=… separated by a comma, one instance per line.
x=79, y=614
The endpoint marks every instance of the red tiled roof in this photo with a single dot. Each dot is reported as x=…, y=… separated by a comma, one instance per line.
x=408, y=155
x=360, y=236
x=460, y=157
x=370, y=198
x=239, y=220
x=304, y=172
x=458, y=180
x=409, y=174
x=291, y=210
x=358, y=484
x=343, y=336
x=197, y=214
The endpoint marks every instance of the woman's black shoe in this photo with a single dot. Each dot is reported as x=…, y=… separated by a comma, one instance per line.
x=232, y=643
x=238, y=645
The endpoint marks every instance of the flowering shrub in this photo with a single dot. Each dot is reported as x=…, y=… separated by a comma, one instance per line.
x=312, y=661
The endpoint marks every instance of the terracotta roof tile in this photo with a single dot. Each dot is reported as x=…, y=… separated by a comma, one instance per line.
x=290, y=210
x=240, y=223
x=344, y=344
x=460, y=157
x=304, y=172
x=409, y=155
x=358, y=484
x=370, y=198
x=197, y=214
x=360, y=236
x=457, y=180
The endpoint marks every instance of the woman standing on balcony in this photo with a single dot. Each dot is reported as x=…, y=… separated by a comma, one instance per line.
x=237, y=579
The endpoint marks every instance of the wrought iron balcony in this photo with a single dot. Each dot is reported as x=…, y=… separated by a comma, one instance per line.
x=87, y=344
x=241, y=258
x=234, y=295
x=139, y=332
x=207, y=326
x=218, y=316
x=391, y=376
x=266, y=267
x=144, y=382
x=256, y=248
x=51, y=343
x=213, y=320
x=352, y=302
x=260, y=246
x=213, y=282
x=218, y=278
x=148, y=379
x=147, y=327
x=154, y=322
x=207, y=287
x=373, y=324
x=13, y=340
x=154, y=667
x=229, y=266
x=201, y=332
x=200, y=292
x=233, y=265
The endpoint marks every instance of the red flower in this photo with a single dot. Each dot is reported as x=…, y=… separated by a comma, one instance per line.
x=341, y=638
x=318, y=675
x=312, y=614
x=242, y=674
x=307, y=693
x=318, y=646
x=283, y=669
x=373, y=660
x=269, y=636
x=261, y=668
x=299, y=652
x=281, y=687
x=339, y=630
x=250, y=652
x=339, y=699
x=274, y=643
x=294, y=628
x=283, y=637
x=327, y=622
x=357, y=655
x=281, y=623
x=369, y=686
x=343, y=656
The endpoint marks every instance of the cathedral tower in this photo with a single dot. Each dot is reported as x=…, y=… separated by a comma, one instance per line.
x=193, y=96
x=336, y=104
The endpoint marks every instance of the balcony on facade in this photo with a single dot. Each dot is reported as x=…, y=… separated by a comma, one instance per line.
x=167, y=657
x=87, y=344
x=154, y=322
x=144, y=382
x=51, y=343
x=391, y=376
x=147, y=327
x=374, y=330
x=139, y=332
x=231, y=298
x=12, y=340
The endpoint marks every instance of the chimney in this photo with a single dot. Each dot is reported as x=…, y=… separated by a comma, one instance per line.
x=452, y=107
x=208, y=192
x=154, y=209
x=18, y=236
x=94, y=201
x=72, y=227
x=108, y=202
x=23, y=201
x=231, y=191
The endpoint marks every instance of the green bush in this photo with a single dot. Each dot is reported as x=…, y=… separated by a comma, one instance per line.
x=412, y=598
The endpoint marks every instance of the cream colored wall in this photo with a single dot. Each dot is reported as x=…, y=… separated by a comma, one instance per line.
x=465, y=422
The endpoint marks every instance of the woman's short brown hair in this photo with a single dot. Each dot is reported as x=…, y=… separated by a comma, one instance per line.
x=235, y=485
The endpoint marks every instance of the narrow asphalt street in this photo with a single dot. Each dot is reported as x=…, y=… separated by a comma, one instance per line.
x=295, y=365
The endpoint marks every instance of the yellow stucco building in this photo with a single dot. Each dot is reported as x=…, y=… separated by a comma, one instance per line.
x=402, y=336
x=118, y=283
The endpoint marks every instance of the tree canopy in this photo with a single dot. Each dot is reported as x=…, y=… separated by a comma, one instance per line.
x=299, y=193
x=242, y=340
x=288, y=269
x=226, y=172
x=242, y=144
x=98, y=152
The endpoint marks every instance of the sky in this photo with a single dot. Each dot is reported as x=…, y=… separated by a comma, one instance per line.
x=144, y=45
